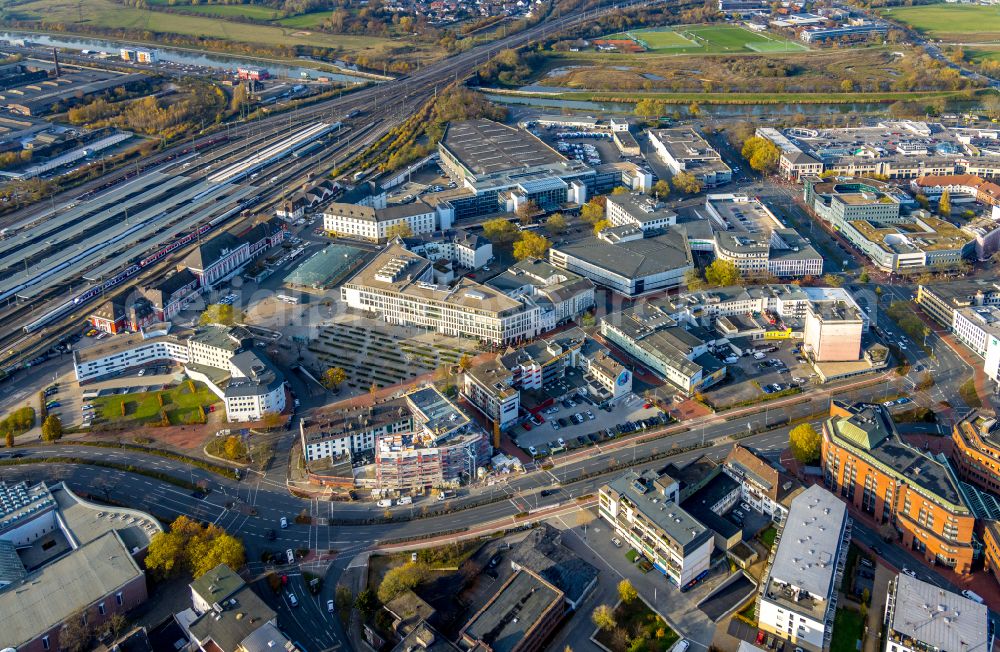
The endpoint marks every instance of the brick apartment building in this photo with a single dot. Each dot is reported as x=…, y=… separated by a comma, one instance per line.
x=909, y=492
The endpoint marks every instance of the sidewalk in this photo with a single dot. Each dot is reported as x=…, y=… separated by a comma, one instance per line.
x=981, y=381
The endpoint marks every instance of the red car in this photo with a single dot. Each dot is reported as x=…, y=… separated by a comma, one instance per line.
x=648, y=405
x=527, y=426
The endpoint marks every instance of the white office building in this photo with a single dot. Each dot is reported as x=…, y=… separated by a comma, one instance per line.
x=978, y=327
x=400, y=287
x=378, y=224
x=798, y=597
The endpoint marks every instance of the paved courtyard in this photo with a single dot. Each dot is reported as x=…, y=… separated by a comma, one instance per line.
x=548, y=434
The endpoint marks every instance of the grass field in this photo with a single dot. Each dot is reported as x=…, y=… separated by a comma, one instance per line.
x=234, y=11
x=110, y=14
x=305, y=21
x=181, y=405
x=709, y=39
x=848, y=628
x=951, y=22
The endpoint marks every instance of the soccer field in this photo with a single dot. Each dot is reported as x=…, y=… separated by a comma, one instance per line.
x=709, y=39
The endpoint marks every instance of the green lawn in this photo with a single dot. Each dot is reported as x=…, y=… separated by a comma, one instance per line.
x=180, y=404
x=306, y=21
x=709, y=39
x=642, y=628
x=111, y=14
x=767, y=536
x=951, y=21
x=848, y=627
x=228, y=11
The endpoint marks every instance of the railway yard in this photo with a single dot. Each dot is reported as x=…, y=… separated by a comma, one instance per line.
x=60, y=256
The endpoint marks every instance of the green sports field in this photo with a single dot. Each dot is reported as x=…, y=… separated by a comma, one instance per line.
x=951, y=22
x=709, y=39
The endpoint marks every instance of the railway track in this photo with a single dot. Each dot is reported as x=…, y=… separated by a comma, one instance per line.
x=380, y=108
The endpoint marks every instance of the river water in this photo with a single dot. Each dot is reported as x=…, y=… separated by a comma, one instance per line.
x=182, y=57
x=714, y=110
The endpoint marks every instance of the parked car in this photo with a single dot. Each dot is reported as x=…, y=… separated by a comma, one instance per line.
x=532, y=451
x=385, y=502
x=616, y=541
x=975, y=597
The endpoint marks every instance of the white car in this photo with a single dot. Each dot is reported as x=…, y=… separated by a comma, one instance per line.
x=902, y=345
x=329, y=606
x=975, y=597
x=292, y=600
x=909, y=571
x=532, y=450
x=284, y=523
x=681, y=646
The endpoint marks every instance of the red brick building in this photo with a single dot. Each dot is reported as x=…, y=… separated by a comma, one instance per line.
x=912, y=494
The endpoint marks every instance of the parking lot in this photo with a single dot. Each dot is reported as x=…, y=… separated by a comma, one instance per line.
x=773, y=371
x=543, y=438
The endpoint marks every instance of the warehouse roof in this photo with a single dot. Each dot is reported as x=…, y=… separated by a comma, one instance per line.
x=46, y=598
x=634, y=259
x=487, y=147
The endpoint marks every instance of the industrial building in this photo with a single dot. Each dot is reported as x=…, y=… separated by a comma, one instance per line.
x=922, y=616
x=752, y=237
x=894, y=149
x=38, y=98
x=499, y=168
x=683, y=149
x=797, y=599
x=642, y=509
x=62, y=557
x=628, y=260
x=867, y=214
x=867, y=463
x=404, y=288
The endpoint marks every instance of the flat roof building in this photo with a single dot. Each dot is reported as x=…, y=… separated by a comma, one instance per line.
x=500, y=167
x=685, y=150
x=798, y=596
x=518, y=618
x=751, y=237
x=895, y=149
x=632, y=262
x=921, y=616
x=867, y=214
x=63, y=556
x=404, y=288
x=675, y=352
x=643, y=510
